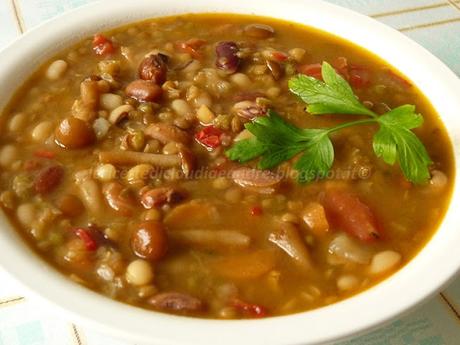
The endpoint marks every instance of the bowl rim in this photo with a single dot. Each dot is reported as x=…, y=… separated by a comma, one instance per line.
x=349, y=317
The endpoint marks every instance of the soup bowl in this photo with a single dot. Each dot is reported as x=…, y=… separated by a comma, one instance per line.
x=426, y=274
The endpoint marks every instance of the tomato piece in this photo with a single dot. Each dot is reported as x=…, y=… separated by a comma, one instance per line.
x=359, y=76
x=87, y=238
x=279, y=56
x=399, y=80
x=191, y=47
x=256, y=210
x=350, y=214
x=209, y=137
x=102, y=45
x=45, y=154
x=250, y=309
x=312, y=70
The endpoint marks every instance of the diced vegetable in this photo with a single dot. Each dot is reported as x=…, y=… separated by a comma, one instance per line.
x=350, y=214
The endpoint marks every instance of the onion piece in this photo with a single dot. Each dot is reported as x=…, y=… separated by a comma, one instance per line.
x=344, y=247
x=288, y=239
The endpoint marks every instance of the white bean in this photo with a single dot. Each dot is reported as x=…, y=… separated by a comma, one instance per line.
x=139, y=272
x=26, y=213
x=42, y=131
x=241, y=80
x=384, y=262
x=8, y=154
x=347, y=282
x=181, y=107
x=438, y=180
x=110, y=101
x=17, y=122
x=56, y=69
x=105, y=172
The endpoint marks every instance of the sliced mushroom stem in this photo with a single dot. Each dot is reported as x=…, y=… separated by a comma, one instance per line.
x=212, y=239
x=132, y=157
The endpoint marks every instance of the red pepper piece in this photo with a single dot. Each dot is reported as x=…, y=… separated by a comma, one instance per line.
x=250, y=309
x=312, y=70
x=102, y=45
x=256, y=210
x=45, y=154
x=209, y=137
x=87, y=238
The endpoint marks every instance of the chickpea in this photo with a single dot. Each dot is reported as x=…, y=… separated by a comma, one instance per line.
x=139, y=272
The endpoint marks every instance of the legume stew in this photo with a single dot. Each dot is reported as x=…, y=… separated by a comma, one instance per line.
x=223, y=166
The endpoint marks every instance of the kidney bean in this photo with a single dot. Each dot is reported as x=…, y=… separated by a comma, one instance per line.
x=259, y=31
x=154, y=68
x=118, y=198
x=227, y=58
x=159, y=196
x=144, y=90
x=73, y=133
x=176, y=302
x=249, y=109
x=149, y=240
x=48, y=179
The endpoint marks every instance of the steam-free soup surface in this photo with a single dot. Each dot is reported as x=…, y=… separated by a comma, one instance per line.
x=113, y=168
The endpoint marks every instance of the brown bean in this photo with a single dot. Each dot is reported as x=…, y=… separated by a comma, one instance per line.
x=70, y=205
x=259, y=31
x=73, y=133
x=154, y=68
x=159, y=196
x=144, y=90
x=149, y=240
x=176, y=302
x=48, y=179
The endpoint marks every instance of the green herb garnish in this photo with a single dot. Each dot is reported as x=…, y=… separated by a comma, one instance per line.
x=276, y=141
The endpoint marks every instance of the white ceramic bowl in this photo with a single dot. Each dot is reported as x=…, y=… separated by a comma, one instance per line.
x=426, y=274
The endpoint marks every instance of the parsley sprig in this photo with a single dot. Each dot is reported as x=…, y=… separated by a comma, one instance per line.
x=276, y=141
